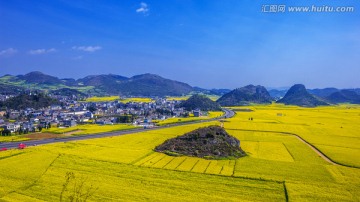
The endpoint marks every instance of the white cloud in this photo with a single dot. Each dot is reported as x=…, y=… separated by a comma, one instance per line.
x=87, y=48
x=41, y=51
x=8, y=52
x=143, y=8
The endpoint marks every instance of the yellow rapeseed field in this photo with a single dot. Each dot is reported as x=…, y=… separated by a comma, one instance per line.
x=136, y=99
x=278, y=167
x=114, y=98
x=102, y=99
x=89, y=129
x=207, y=115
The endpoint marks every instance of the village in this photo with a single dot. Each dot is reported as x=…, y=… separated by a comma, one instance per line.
x=72, y=112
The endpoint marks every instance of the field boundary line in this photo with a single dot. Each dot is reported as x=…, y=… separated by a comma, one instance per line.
x=180, y=163
x=142, y=164
x=313, y=147
x=168, y=163
x=158, y=161
x=194, y=165
x=286, y=193
x=5, y=157
x=207, y=167
x=289, y=151
x=233, y=173
x=139, y=159
x=35, y=181
x=222, y=168
x=337, y=146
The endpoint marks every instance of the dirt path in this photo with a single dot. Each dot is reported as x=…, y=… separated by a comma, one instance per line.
x=71, y=132
x=40, y=136
x=317, y=151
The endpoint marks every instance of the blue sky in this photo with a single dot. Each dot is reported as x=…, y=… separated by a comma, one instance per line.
x=206, y=43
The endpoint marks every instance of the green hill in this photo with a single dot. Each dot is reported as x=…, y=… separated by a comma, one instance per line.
x=200, y=102
x=207, y=142
x=153, y=85
x=23, y=101
x=298, y=95
x=245, y=96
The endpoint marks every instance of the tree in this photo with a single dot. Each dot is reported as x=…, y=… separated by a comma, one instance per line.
x=91, y=108
x=125, y=119
x=6, y=132
x=7, y=115
x=76, y=189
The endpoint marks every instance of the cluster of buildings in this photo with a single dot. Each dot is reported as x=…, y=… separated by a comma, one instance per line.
x=73, y=112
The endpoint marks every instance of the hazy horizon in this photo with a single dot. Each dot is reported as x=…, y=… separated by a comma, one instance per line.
x=210, y=44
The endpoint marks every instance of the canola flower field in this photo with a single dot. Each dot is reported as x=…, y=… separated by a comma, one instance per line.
x=334, y=130
x=278, y=167
x=89, y=129
x=185, y=97
x=114, y=98
x=209, y=115
x=102, y=99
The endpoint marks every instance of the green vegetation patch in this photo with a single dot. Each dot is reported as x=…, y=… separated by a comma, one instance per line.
x=211, y=142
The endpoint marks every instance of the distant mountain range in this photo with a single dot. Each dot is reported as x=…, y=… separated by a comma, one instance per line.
x=106, y=84
x=344, y=96
x=154, y=85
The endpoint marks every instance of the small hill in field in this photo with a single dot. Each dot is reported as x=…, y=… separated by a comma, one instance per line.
x=298, y=95
x=200, y=102
x=245, y=96
x=207, y=142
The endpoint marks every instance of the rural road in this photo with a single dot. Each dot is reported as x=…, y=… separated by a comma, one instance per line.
x=13, y=145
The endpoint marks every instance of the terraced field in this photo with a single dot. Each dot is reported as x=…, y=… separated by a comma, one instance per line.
x=278, y=167
x=333, y=130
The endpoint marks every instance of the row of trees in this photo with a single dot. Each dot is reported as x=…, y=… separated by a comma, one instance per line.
x=24, y=101
x=21, y=131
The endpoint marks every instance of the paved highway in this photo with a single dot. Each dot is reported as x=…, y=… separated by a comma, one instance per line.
x=11, y=145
